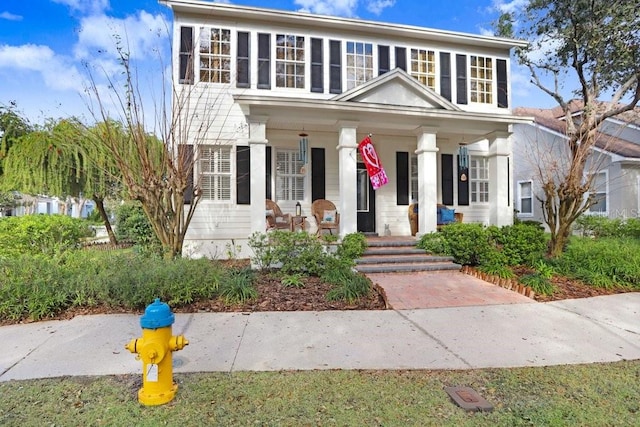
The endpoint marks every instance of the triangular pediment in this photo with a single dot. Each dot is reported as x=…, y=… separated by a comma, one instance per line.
x=399, y=89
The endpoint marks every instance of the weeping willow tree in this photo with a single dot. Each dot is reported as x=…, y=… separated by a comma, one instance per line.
x=12, y=127
x=58, y=160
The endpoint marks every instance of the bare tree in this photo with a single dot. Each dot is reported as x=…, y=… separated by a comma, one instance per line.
x=598, y=43
x=156, y=165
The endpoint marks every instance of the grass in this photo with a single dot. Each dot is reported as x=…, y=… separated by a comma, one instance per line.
x=593, y=395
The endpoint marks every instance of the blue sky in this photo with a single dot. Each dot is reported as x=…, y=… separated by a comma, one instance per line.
x=47, y=45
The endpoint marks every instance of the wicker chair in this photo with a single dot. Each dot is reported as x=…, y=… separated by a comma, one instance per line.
x=413, y=218
x=275, y=218
x=326, y=216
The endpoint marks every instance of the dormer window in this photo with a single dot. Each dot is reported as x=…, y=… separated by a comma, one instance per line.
x=359, y=63
x=290, y=61
x=215, y=55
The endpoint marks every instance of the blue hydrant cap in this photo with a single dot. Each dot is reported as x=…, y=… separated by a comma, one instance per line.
x=157, y=315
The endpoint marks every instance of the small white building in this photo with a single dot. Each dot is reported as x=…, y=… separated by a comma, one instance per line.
x=437, y=104
x=541, y=148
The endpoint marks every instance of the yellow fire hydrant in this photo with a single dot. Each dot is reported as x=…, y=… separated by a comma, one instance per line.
x=154, y=348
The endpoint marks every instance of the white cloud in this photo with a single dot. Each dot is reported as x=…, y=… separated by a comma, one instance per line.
x=345, y=8
x=141, y=35
x=86, y=6
x=486, y=31
x=377, y=6
x=509, y=6
x=57, y=72
x=10, y=16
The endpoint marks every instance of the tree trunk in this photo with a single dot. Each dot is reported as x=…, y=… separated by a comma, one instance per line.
x=105, y=218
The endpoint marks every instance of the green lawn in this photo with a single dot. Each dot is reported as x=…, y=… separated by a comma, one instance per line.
x=582, y=395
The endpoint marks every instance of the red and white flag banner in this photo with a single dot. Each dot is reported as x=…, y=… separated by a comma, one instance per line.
x=375, y=170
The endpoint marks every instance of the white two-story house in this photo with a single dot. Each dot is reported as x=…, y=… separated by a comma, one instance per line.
x=285, y=98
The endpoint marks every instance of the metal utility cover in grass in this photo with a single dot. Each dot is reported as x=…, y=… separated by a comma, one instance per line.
x=468, y=399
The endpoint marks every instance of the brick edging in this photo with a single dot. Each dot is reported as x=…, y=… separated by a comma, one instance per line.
x=510, y=284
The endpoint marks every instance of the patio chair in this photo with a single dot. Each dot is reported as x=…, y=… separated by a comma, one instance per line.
x=326, y=216
x=275, y=218
x=413, y=218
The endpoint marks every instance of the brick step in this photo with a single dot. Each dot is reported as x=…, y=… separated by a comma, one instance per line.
x=403, y=259
x=396, y=267
x=399, y=250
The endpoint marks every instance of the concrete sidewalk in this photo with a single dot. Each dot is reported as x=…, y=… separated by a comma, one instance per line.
x=600, y=329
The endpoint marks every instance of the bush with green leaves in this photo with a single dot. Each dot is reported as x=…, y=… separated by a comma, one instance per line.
x=467, y=243
x=434, y=243
x=540, y=280
x=520, y=243
x=41, y=234
x=292, y=253
x=133, y=225
x=38, y=287
x=237, y=286
x=352, y=246
x=348, y=285
x=604, y=262
x=602, y=226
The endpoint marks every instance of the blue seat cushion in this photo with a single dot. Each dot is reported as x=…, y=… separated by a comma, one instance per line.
x=446, y=216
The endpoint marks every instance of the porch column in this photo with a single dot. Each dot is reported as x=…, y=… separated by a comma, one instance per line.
x=427, y=180
x=347, y=173
x=257, y=149
x=500, y=175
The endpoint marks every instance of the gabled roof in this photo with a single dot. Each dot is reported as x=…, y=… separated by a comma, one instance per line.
x=397, y=87
x=554, y=120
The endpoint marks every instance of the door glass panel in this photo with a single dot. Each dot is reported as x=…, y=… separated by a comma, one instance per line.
x=363, y=191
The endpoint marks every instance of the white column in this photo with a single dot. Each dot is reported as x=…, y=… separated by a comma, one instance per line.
x=347, y=170
x=257, y=148
x=500, y=174
x=427, y=180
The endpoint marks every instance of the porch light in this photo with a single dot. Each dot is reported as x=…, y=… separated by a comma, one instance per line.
x=303, y=147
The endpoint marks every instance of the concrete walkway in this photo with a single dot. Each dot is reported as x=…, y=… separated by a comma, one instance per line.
x=600, y=329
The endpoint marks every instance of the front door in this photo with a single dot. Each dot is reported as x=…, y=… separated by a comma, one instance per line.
x=366, y=204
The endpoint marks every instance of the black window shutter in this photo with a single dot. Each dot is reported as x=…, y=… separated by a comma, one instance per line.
x=264, y=61
x=185, y=154
x=242, y=75
x=445, y=75
x=463, y=186
x=335, y=66
x=501, y=71
x=186, y=55
x=401, y=58
x=383, y=59
x=268, y=172
x=317, y=83
x=461, y=79
x=243, y=175
x=317, y=174
x=446, y=178
x=402, y=178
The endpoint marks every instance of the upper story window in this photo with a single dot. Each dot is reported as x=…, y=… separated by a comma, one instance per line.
x=423, y=66
x=215, y=172
x=359, y=63
x=481, y=80
x=215, y=55
x=290, y=61
x=479, y=179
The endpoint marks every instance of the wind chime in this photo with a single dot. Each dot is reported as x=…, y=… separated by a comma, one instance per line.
x=463, y=163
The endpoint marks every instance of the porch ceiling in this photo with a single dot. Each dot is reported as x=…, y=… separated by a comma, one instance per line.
x=327, y=115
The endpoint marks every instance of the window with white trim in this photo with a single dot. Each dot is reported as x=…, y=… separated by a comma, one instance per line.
x=525, y=197
x=481, y=79
x=214, y=165
x=479, y=179
x=290, y=61
x=289, y=175
x=359, y=63
x=423, y=66
x=599, y=193
x=413, y=178
x=215, y=55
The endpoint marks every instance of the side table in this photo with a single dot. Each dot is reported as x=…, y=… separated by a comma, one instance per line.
x=298, y=222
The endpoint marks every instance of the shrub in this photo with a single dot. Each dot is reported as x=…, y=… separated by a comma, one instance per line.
x=467, y=243
x=133, y=225
x=349, y=286
x=434, y=243
x=291, y=252
x=520, y=243
x=293, y=281
x=237, y=287
x=352, y=246
x=496, y=263
x=604, y=262
x=41, y=234
x=540, y=281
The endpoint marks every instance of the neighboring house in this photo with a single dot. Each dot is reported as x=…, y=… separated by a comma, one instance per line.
x=45, y=205
x=292, y=94
x=541, y=147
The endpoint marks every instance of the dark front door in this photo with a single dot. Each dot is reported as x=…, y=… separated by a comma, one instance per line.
x=366, y=204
